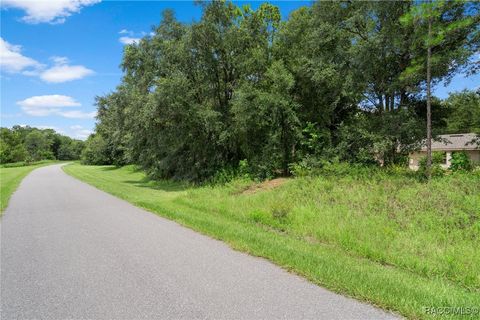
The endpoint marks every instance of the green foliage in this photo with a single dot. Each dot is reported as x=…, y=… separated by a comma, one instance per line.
x=385, y=138
x=95, y=151
x=453, y=40
x=266, y=121
x=304, y=167
x=438, y=159
x=223, y=176
x=23, y=143
x=460, y=162
x=244, y=169
x=465, y=112
x=333, y=81
x=228, y=174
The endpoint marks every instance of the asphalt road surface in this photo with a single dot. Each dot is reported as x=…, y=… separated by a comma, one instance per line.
x=70, y=251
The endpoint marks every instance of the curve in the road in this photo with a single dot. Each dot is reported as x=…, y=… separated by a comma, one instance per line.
x=70, y=251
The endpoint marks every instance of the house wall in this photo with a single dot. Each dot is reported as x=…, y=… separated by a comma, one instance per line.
x=414, y=158
x=474, y=155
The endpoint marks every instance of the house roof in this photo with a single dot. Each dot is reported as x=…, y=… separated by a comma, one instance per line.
x=461, y=141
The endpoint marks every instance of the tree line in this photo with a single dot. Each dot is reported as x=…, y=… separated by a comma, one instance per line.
x=27, y=144
x=336, y=81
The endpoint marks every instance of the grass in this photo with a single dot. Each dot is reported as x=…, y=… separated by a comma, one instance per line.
x=390, y=240
x=11, y=175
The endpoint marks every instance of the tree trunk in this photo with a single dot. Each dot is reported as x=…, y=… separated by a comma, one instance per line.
x=380, y=103
x=403, y=98
x=429, y=105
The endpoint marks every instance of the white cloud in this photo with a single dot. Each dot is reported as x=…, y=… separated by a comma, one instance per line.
x=62, y=72
x=59, y=60
x=51, y=11
x=41, y=106
x=12, y=61
x=76, y=114
x=82, y=134
x=131, y=37
x=129, y=40
x=49, y=101
x=79, y=132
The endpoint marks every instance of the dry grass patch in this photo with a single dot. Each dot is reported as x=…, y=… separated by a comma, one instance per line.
x=264, y=186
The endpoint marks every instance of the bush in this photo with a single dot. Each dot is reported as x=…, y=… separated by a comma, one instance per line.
x=460, y=162
x=95, y=151
x=244, y=169
x=438, y=158
x=300, y=169
x=46, y=155
x=306, y=166
x=225, y=175
x=437, y=170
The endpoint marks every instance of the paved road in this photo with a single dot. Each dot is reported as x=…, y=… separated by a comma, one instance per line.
x=70, y=251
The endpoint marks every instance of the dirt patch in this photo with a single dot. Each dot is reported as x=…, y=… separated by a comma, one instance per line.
x=264, y=186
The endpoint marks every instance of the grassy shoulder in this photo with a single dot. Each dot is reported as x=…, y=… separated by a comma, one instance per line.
x=390, y=240
x=11, y=175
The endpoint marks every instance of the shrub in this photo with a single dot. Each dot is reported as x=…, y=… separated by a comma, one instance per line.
x=223, y=176
x=28, y=160
x=244, y=169
x=437, y=170
x=47, y=155
x=438, y=158
x=460, y=162
x=301, y=168
x=95, y=151
x=227, y=174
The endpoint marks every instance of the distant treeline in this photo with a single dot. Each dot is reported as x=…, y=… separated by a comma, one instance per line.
x=27, y=144
x=244, y=89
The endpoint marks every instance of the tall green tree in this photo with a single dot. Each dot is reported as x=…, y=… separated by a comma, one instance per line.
x=12, y=148
x=266, y=122
x=38, y=146
x=335, y=79
x=24, y=143
x=448, y=32
x=464, y=107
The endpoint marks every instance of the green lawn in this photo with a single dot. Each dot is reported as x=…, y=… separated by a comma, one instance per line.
x=10, y=177
x=390, y=240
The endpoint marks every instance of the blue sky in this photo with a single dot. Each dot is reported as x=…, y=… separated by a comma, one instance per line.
x=57, y=56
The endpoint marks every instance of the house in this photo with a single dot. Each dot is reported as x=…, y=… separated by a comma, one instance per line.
x=448, y=144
